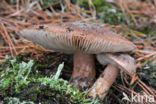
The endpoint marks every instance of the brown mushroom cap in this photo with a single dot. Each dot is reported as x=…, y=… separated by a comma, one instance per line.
x=77, y=36
x=121, y=61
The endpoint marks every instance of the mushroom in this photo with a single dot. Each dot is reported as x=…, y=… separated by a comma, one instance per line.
x=81, y=39
x=116, y=62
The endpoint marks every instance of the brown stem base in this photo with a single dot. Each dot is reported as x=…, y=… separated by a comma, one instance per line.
x=104, y=82
x=84, y=70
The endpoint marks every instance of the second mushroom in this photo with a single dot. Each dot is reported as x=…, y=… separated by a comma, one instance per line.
x=115, y=63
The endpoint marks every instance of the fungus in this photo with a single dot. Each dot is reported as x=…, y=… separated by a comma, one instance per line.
x=81, y=39
x=115, y=63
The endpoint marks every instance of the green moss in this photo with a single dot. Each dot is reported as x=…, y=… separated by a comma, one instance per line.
x=99, y=2
x=47, y=2
x=20, y=84
x=108, y=12
x=148, y=31
x=148, y=73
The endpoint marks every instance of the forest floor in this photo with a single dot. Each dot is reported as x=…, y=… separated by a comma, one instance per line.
x=30, y=74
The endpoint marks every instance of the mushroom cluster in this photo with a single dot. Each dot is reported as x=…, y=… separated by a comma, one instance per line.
x=85, y=41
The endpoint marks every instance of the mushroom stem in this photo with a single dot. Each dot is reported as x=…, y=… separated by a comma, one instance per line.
x=84, y=70
x=104, y=82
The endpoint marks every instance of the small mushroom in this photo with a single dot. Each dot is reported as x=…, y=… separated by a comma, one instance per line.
x=123, y=61
x=83, y=40
x=116, y=62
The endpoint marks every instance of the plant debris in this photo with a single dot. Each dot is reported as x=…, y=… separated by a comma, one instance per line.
x=135, y=19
